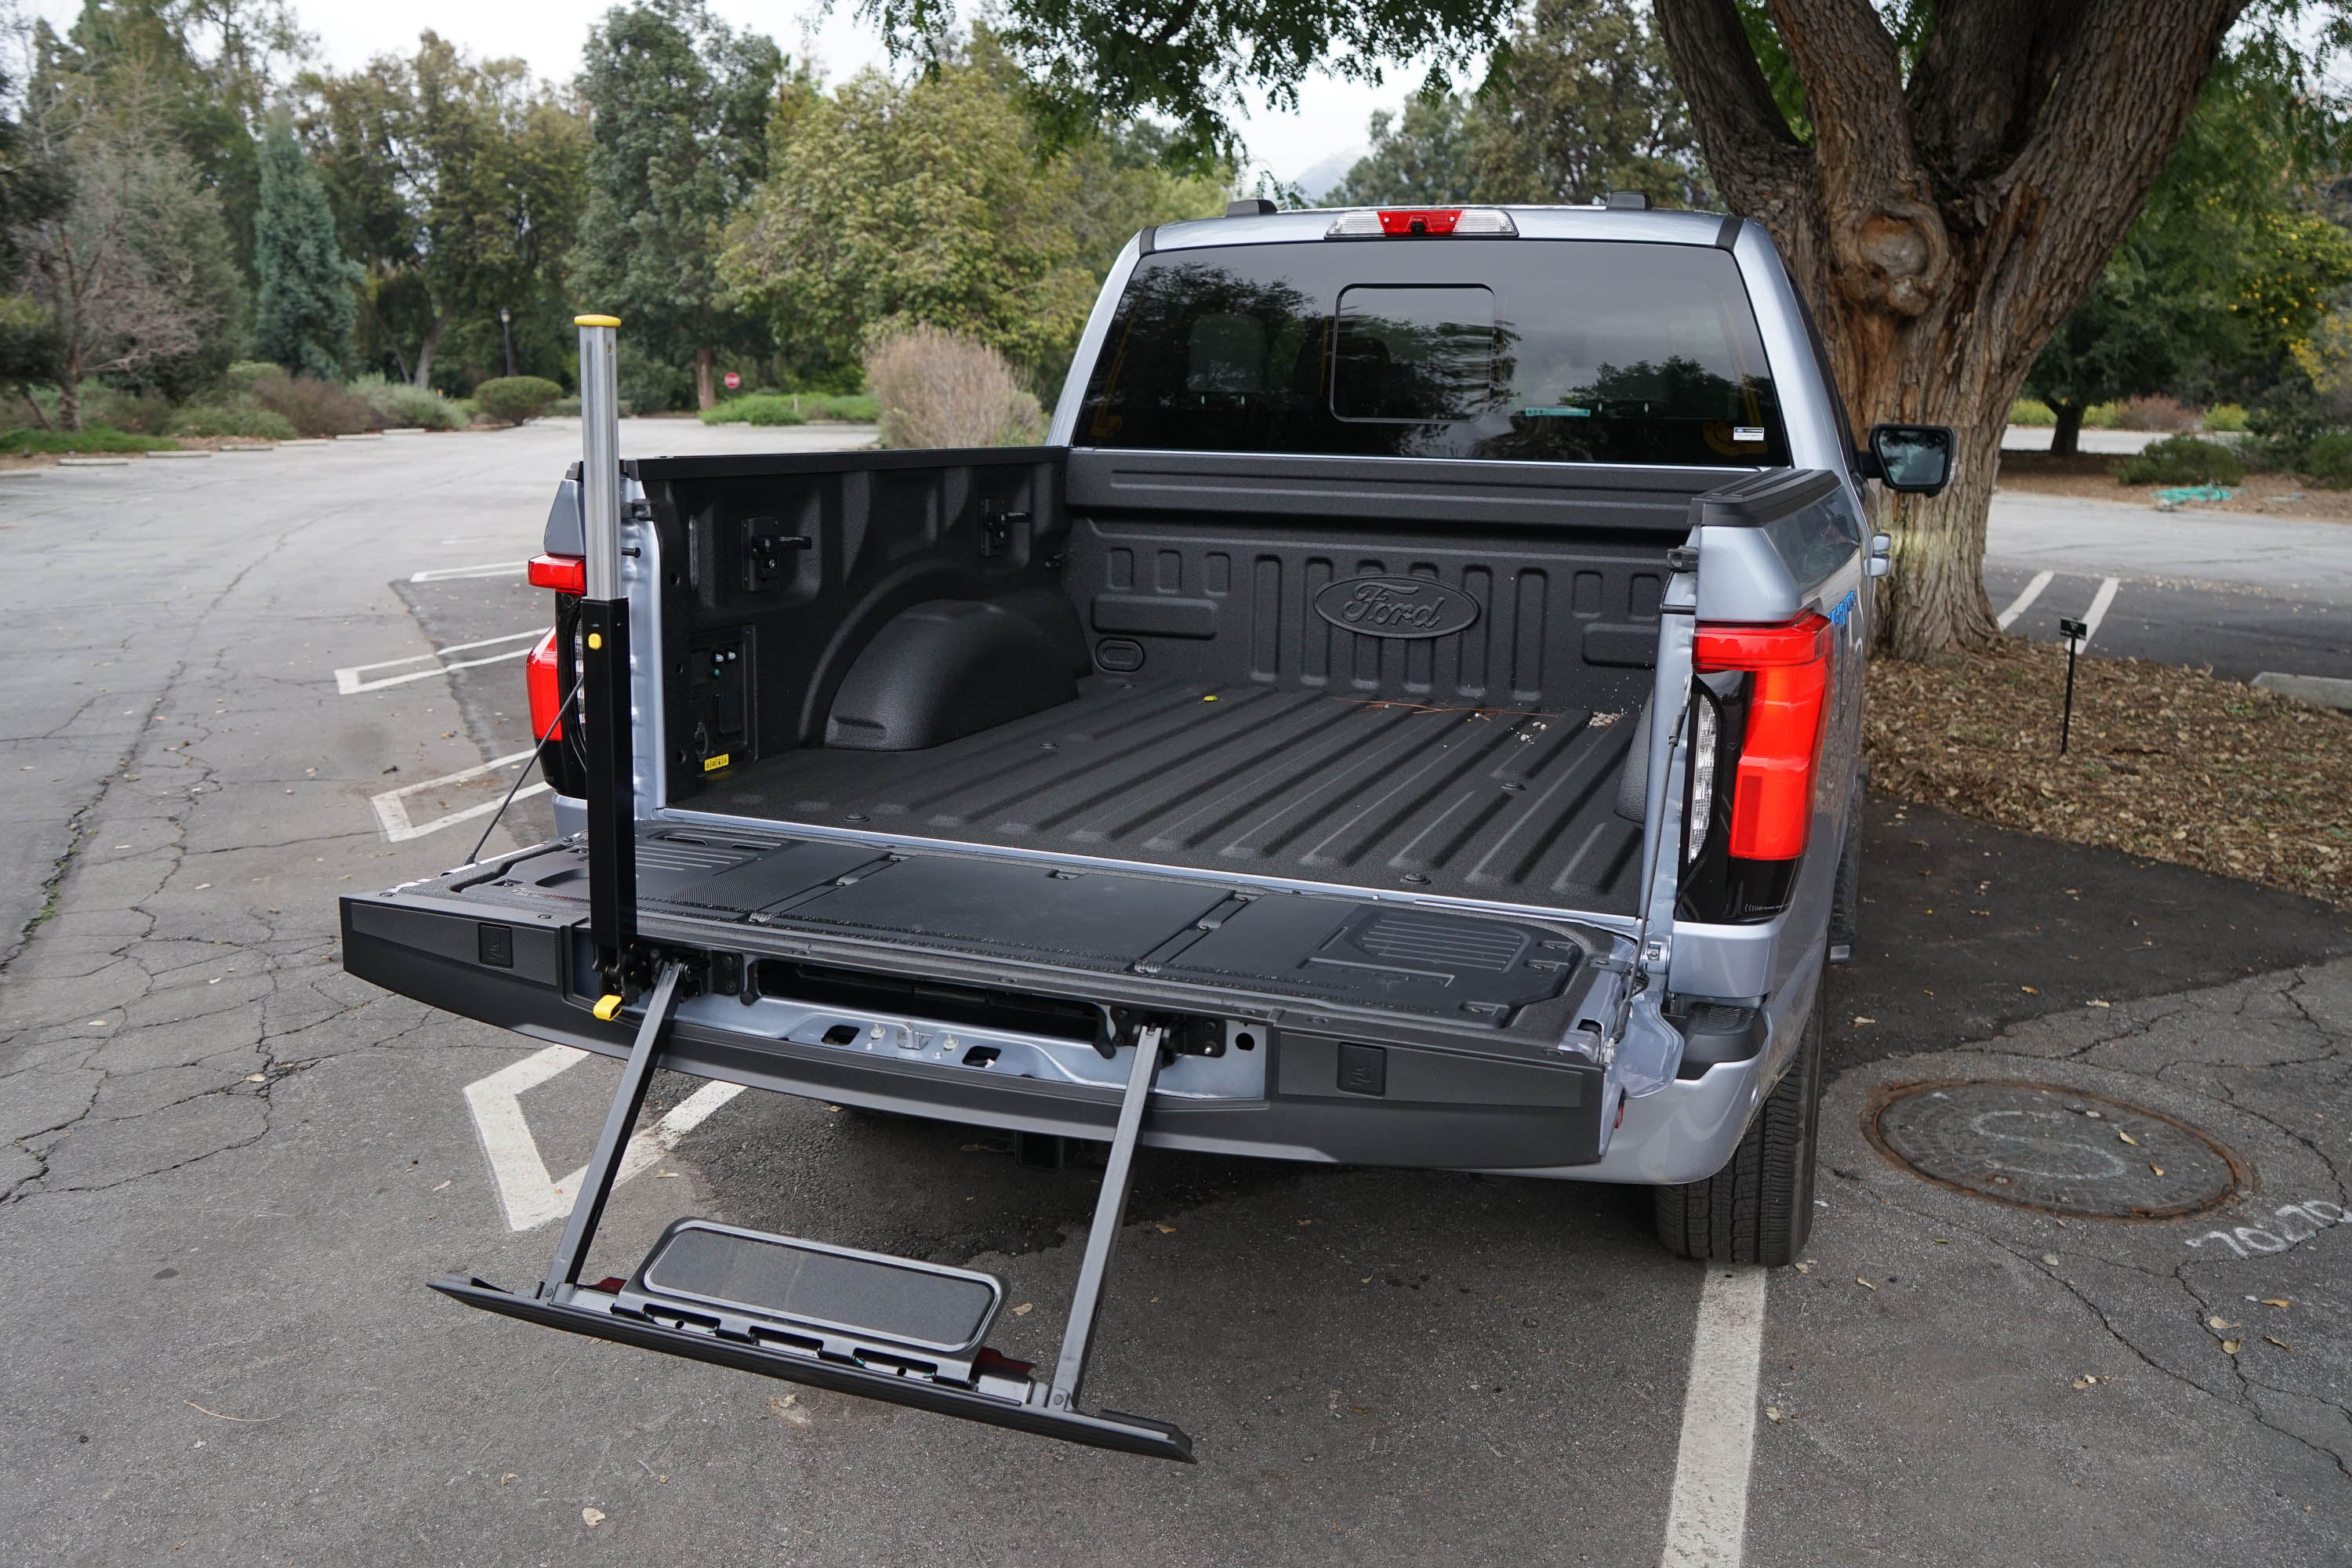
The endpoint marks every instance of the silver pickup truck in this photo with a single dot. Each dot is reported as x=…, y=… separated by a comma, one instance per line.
x=1406, y=715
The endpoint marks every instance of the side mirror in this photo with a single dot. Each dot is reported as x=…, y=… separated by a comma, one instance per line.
x=1913, y=459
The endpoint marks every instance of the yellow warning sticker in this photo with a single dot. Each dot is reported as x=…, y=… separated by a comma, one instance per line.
x=712, y=764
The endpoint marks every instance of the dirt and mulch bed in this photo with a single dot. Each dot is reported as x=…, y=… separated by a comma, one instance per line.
x=2170, y=763
x=2090, y=475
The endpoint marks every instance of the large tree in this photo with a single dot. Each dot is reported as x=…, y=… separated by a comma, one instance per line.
x=303, y=305
x=1945, y=187
x=679, y=108
x=457, y=185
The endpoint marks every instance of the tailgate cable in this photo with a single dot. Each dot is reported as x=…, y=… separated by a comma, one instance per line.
x=561, y=707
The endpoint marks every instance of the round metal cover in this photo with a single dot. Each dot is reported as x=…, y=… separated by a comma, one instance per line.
x=2049, y=1148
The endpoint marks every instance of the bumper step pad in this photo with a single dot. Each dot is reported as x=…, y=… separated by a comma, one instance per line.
x=892, y=1329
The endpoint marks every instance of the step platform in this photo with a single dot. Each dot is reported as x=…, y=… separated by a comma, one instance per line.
x=892, y=1329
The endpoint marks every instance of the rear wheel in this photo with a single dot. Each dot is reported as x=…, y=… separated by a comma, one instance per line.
x=1759, y=1208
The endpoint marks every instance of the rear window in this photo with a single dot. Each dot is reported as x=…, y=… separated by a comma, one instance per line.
x=1553, y=351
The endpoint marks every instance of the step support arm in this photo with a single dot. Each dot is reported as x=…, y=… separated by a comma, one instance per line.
x=1110, y=1213
x=596, y=1182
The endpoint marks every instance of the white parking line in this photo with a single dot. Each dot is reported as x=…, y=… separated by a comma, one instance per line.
x=391, y=805
x=1707, y=1523
x=353, y=679
x=448, y=574
x=2098, y=611
x=2024, y=601
x=529, y=1195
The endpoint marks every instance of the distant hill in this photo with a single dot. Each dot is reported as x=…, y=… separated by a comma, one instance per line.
x=1317, y=178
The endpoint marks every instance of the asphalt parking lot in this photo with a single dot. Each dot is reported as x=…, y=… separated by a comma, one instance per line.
x=227, y=1168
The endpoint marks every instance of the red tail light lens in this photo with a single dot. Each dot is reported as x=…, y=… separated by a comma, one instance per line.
x=543, y=677
x=1419, y=220
x=564, y=574
x=1772, y=799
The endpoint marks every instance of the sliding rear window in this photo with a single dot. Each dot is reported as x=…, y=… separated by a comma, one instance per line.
x=1559, y=351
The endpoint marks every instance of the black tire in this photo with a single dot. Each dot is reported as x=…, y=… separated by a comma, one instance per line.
x=1759, y=1208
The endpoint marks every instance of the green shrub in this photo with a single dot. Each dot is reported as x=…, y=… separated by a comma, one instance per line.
x=2030, y=410
x=147, y=413
x=848, y=407
x=2103, y=416
x=2329, y=460
x=400, y=406
x=2182, y=461
x=242, y=417
x=2225, y=416
x=565, y=408
x=98, y=438
x=245, y=372
x=761, y=408
x=516, y=399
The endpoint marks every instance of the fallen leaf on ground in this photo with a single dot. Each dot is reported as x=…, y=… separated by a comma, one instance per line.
x=592, y=1516
x=1865, y=1020
x=2029, y=990
x=2157, y=1168
x=2126, y=1137
x=1023, y=1310
x=1772, y=1414
x=2277, y=1301
x=510, y=1476
x=2215, y=1322
x=1863, y=1283
x=2095, y=1001
x=1167, y=1230
x=788, y=1409
x=2049, y=1259
x=1806, y=1266
x=257, y=1077
x=2230, y=1347
x=443, y=1184
x=2278, y=1342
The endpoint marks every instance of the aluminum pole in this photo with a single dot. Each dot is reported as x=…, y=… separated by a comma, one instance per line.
x=607, y=715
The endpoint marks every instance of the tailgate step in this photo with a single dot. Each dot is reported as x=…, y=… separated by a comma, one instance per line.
x=893, y=1329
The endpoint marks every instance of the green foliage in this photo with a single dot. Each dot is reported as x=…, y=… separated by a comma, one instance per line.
x=459, y=186
x=2329, y=460
x=2182, y=461
x=845, y=408
x=649, y=385
x=1579, y=102
x=142, y=413
x=98, y=439
x=401, y=406
x=304, y=307
x=761, y=408
x=679, y=107
x=240, y=417
x=29, y=342
x=2226, y=417
x=2030, y=410
x=516, y=399
x=932, y=202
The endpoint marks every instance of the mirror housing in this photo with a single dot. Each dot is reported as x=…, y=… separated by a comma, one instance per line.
x=1916, y=459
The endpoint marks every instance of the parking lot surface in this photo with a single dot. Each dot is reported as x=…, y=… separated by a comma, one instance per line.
x=229, y=1168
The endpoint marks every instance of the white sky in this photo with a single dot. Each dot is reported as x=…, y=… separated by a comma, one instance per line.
x=550, y=34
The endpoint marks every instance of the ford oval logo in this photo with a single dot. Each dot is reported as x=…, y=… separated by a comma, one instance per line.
x=1396, y=606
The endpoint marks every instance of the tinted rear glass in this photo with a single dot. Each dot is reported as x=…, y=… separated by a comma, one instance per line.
x=1559, y=351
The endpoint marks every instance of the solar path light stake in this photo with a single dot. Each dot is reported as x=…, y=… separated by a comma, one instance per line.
x=605, y=648
x=2075, y=633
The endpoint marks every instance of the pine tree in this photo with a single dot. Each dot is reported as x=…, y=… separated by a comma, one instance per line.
x=303, y=316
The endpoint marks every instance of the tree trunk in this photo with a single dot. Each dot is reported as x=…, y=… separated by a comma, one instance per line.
x=70, y=381
x=706, y=388
x=1941, y=227
x=2066, y=439
x=431, y=346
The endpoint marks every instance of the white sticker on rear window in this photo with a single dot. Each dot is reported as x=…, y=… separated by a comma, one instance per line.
x=1747, y=432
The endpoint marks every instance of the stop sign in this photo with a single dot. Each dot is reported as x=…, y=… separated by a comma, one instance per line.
x=733, y=381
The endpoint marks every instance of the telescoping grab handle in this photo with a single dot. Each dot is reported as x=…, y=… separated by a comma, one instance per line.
x=604, y=654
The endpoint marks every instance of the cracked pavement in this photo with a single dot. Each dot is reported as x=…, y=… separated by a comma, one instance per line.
x=226, y=1169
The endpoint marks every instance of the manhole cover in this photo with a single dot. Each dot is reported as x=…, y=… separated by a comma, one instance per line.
x=2058, y=1149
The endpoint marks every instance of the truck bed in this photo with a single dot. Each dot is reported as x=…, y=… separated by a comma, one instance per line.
x=1514, y=805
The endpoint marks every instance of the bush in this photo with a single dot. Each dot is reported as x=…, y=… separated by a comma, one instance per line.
x=516, y=399
x=400, y=406
x=314, y=408
x=760, y=408
x=2227, y=418
x=2183, y=461
x=98, y=438
x=565, y=408
x=850, y=407
x=242, y=375
x=242, y=417
x=649, y=386
x=2169, y=414
x=2032, y=411
x=936, y=389
x=147, y=413
x=2103, y=416
x=2329, y=460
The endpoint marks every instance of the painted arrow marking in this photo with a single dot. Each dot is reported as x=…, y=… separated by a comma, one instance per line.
x=532, y=1197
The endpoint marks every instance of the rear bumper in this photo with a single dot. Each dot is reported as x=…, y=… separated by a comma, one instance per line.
x=511, y=973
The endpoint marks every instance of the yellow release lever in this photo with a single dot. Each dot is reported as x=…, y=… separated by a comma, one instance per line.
x=608, y=1007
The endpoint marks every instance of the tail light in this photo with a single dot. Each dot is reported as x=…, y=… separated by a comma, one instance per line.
x=564, y=574
x=1773, y=788
x=543, y=674
x=1371, y=222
